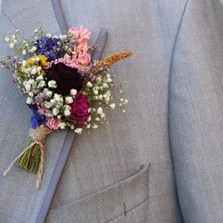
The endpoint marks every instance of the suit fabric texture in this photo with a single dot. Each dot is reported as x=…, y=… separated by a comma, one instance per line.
x=161, y=161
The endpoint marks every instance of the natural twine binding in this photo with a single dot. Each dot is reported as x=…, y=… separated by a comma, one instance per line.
x=39, y=136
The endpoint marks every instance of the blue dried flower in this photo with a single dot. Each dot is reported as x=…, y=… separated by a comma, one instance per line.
x=37, y=119
x=50, y=47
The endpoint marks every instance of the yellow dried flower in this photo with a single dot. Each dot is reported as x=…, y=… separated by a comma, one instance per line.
x=34, y=62
x=37, y=60
x=43, y=60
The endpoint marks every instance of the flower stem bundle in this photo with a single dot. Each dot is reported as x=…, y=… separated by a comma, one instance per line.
x=33, y=152
x=30, y=159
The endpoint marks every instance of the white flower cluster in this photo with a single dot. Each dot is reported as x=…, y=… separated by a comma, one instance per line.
x=100, y=89
x=12, y=41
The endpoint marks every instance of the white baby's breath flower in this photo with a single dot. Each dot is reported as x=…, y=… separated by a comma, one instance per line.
x=107, y=99
x=55, y=111
x=112, y=106
x=7, y=39
x=67, y=112
x=29, y=100
x=47, y=104
x=100, y=110
x=126, y=101
x=102, y=115
x=93, y=110
x=62, y=125
x=97, y=119
x=23, y=63
x=24, y=52
x=73, y=92
x=98, y=79
x=95, y=91
x=33, y=71
x=28, y=70
x=12, y=45
x=30, y=94
x=89, y=84
x=52, y=84
x=66, y=107
x=94, y=126
x=58, y=105
x=88, y=126
x=105, y=85
x=28, y=87
x=123, y=110
x=58, y=98
x=49, y=93
x=78, y=130
x=109, y=80
x=33, y=49
x=69, y=100
x=35, y=30
x=42, y=83
x=31, y=81
x=39, y=78
x=49, y=35
x=52, y=102
x=89, y=118
x=38, y=70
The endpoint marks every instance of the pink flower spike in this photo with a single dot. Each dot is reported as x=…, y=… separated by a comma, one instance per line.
x=79, y=34
x=84, y=58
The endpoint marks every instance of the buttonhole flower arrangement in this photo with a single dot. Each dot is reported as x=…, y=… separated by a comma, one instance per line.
x=63, y=87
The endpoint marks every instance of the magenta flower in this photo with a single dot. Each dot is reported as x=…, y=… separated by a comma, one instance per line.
x=79, y=109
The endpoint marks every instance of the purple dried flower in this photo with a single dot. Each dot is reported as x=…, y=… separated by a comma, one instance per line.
x=49, y=47
x=2, y=63
x=92, y=76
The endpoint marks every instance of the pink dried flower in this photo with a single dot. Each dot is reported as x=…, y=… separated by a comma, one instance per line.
x=53, y=123
x=79, y=34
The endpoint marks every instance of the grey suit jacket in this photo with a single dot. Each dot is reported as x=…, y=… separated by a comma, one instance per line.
x=173, y=120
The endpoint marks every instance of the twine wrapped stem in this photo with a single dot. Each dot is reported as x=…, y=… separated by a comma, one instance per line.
x=33, y=152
